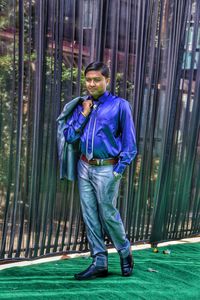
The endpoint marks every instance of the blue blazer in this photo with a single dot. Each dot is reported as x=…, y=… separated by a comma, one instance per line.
x=68, y=153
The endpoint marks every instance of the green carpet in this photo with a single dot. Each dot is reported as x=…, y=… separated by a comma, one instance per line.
x=177, y=277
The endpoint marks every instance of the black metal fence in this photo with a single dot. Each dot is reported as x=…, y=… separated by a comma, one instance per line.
x=152, y=48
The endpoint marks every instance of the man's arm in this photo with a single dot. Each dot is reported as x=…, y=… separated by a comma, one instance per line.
x=128, y=138
x=75, y=124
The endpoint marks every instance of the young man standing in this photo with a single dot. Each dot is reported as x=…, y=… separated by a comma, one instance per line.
x=103, y=124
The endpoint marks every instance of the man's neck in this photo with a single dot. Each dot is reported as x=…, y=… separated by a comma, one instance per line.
x=96, y=98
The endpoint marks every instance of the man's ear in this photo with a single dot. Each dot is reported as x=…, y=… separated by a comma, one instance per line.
x=107, y=81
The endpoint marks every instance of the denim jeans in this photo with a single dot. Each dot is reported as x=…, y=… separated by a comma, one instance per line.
x=98, y=190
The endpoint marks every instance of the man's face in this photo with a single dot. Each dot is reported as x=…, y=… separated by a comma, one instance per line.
x=96, y=83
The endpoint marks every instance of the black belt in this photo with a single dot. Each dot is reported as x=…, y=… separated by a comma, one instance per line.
x=100, y=161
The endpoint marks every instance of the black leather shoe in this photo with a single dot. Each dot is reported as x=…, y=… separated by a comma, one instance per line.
x=127, y=265
x=92, y=272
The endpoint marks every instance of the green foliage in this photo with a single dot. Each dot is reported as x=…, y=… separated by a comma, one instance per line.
x=120, y=85
x=6, y=69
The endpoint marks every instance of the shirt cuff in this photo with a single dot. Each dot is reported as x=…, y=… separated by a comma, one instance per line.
x=120, y=168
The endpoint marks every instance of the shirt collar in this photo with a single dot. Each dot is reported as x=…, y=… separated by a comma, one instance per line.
x=103, y=97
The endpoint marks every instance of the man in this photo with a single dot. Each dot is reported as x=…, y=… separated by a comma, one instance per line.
x=103, y=124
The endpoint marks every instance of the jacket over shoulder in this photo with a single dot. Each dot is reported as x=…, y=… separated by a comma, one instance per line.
x=68, y=154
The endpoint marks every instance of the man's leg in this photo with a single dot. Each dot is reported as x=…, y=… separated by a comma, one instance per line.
x=107, y=187
x=93, y=225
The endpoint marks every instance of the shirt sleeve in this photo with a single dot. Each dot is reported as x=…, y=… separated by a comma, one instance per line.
x=128, y=138
x=74, y=125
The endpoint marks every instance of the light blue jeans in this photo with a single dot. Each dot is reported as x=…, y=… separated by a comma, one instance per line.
x=98, y=190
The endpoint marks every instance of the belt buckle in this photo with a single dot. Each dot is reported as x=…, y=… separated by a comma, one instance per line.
x=99, y=161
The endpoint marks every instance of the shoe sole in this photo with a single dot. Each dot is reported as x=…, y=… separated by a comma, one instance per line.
x=127, y=275
x=91, y=277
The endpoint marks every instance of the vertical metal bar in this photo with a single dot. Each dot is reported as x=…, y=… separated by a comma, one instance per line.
x=19, y=125
x=11, y=148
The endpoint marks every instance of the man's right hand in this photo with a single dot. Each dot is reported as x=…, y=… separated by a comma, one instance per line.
x=87, y=106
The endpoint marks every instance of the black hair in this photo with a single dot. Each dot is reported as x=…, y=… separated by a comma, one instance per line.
x=98, y=66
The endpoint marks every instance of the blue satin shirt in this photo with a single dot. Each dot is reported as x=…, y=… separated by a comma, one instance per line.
x=114, y=132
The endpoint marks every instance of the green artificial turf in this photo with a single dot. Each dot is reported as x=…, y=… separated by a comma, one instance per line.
x=177, y=277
